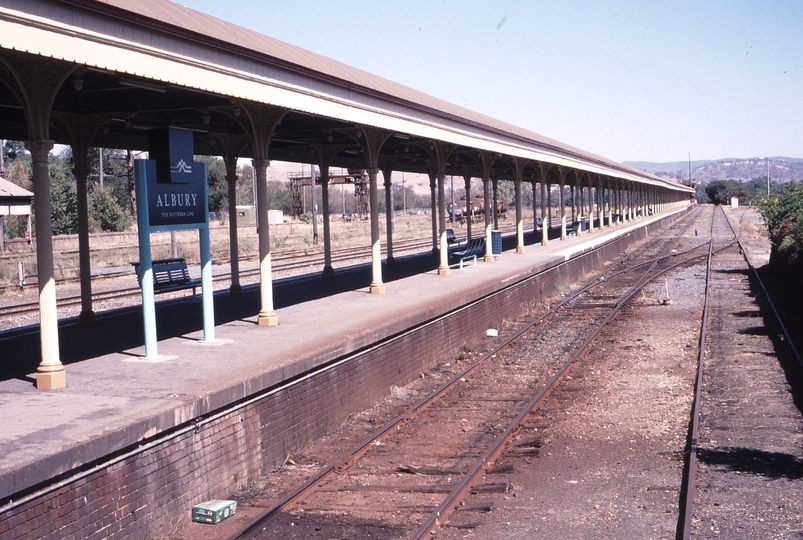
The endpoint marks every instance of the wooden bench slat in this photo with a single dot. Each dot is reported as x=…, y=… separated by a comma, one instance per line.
x=169, y=275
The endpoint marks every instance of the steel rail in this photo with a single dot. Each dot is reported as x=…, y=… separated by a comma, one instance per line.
x=687, y=489
x=346, y=460
x=775, y=311
x=440, y=516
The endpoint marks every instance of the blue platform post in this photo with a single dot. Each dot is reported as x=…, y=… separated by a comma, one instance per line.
x=206, y=285
x=146, y=270
x=207, y=292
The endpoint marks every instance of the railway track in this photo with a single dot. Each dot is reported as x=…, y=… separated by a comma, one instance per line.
x=282, y=263
x=401, y=483
x=286, y=262
x=688, y=493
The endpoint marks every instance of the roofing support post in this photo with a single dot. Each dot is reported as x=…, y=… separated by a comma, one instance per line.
x=386, y=174
x=610, y=204
x=267, y=315
x=443, y=267
x=600, y=203
x=590, y=204
x=519, y=219
x=376, y=287
x=495, y=184
x=629, y=201
x=563, y=235
x=486, y=192
x=314, y=204
x=79, y=130
x=50, y=374
x=234, y=249
x=469, y=204
x=433, y=205
x=577, y=191
x=545, y=220
x=534, y=185
x=324, y=155
x=328, y=270
x=230, y=147
x=87, y=315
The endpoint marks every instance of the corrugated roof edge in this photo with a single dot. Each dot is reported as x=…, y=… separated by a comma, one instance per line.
x=10, y=189
x=216, y=35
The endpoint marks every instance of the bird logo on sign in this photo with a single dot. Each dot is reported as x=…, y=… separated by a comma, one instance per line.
x=181, y=167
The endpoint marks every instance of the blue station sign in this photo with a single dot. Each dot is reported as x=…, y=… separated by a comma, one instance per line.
x=176, y=184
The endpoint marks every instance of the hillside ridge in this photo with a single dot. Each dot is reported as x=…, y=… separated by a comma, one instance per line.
x=782, y=169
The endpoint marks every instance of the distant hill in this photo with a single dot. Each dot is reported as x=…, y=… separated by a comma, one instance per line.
x=782, y=169
x=670, y=166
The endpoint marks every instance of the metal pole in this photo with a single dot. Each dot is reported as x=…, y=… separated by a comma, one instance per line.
x=314, y=205
x=451, y=192
x=404, y=194
x=768, y=176
x=206, y=286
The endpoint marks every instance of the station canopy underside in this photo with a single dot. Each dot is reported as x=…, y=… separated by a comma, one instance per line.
x=140, y=65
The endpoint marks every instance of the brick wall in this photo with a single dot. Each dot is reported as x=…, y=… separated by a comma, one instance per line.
x=144, y=493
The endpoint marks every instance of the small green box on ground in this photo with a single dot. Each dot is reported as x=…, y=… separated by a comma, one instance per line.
x=213, y=511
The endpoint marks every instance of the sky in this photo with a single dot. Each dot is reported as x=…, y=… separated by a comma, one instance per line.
x=629, y=80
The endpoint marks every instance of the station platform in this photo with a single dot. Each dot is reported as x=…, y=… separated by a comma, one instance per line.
x=116, y=398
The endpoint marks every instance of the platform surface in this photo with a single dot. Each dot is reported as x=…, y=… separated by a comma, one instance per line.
x=115, y=400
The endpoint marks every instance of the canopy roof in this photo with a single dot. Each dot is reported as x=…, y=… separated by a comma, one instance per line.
x=154, y=63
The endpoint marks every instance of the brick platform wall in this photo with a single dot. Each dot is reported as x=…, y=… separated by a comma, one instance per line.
x=144, y=494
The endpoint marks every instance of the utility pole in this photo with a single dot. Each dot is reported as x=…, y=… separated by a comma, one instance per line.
x=404, y=195
x=768, y=176
x=100, y=166
x=314, y=205
x=690, y=168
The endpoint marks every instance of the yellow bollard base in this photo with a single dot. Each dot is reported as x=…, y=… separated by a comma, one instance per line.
x=520, y=249
x=544, y=242
x=444, y=270
x=268, y=319
x=564, y=237
x=377, y=289
x=489, y=258
x=51, y=380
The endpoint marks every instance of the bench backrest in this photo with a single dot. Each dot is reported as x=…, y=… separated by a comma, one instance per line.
x=166, y=271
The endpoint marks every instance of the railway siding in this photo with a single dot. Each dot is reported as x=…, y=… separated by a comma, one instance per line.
x=751, y=460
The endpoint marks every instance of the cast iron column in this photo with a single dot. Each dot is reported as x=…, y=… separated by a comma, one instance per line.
x=443, y=267
x=267, y=315
x=376, y=287
x=50, y=373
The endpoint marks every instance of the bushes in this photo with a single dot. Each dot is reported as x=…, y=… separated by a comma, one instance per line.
x=105, y=213
x=783, y=215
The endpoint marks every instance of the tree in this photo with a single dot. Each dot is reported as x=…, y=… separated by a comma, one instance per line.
x=105, y=212
x=63, y=206
x=63, y=195
x=721, y=191
x=217, y=187
x=783, y=214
